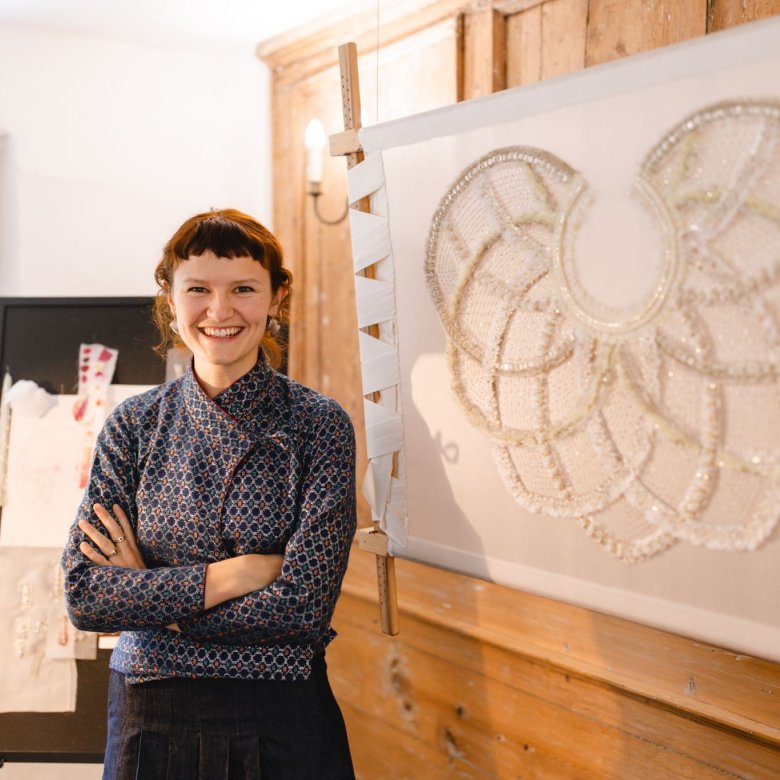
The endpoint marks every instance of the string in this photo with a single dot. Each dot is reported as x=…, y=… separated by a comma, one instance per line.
x=378, y=2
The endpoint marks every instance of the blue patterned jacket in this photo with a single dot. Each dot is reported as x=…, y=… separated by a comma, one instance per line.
x=268, y=466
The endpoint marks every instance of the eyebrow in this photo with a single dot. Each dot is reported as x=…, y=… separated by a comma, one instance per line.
x=206, y=282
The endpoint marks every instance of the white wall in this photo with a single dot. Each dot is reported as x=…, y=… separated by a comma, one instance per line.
x=109, y=146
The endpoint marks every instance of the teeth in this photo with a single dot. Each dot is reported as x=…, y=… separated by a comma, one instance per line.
x=221, y=332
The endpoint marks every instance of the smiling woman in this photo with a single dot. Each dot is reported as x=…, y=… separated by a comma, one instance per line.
x=215, y=532
x=217, y=294
x=221, y=311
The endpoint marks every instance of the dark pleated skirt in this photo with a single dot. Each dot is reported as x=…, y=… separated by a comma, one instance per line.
x=202, y=729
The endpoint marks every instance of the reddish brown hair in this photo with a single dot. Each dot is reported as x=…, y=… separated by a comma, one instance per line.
x=226, y=233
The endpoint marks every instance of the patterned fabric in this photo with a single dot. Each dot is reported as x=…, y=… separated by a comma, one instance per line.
x=265, y=467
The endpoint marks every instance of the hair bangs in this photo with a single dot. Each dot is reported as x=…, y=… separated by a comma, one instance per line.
x=221, y=236
x=227, y=233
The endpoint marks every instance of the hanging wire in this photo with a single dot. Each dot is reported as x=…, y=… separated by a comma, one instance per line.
x=378, y=3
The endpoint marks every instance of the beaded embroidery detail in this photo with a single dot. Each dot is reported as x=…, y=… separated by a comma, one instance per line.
x=651, y=425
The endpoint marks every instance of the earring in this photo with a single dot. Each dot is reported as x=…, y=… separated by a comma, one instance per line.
x=174, y=327
x=273, y=326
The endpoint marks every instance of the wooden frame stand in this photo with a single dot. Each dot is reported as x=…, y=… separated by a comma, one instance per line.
x=347, y=144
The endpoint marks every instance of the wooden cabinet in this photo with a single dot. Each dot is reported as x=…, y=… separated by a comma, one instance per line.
x=483, y=681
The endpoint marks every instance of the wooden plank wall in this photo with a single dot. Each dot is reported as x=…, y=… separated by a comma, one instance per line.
x=485, y=681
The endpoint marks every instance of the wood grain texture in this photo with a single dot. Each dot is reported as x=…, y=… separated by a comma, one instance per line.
x=484, y=52
x=617, y=28
x=701, y=680
x=524, y=47
x=723, y=14
x=564, y=26
x=499, y=712
x=294, y=56
x=546, y=40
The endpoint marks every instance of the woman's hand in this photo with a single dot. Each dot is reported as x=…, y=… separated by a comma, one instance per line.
x=118, y=548
x=117, y=545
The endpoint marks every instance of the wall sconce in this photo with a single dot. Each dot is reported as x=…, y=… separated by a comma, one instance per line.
x=314, y=139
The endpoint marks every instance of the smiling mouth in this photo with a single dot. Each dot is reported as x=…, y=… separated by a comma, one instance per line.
x=220, y=333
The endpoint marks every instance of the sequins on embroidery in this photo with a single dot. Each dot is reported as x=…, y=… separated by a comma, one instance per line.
x=648, y=426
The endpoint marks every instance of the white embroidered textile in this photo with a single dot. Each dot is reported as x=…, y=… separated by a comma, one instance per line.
x=648, y=423
x=34, y=630
x=653, y=426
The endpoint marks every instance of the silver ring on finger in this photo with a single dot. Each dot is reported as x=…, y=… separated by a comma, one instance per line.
x=113, y=553
x=118, y=540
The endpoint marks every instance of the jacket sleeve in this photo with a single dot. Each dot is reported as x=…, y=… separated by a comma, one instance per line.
x=112, y=598
x=298, y=606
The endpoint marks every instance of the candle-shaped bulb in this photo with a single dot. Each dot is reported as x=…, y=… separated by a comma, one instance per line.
x=314, y=139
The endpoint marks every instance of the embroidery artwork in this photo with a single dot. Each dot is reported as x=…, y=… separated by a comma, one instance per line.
x=37, y=643
x=637, y=396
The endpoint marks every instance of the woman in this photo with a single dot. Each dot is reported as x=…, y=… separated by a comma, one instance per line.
x=215, y=532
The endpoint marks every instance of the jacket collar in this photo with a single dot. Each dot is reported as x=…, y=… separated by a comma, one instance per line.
x=255, y=403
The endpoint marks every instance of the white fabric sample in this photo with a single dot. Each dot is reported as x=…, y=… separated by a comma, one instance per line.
x=26, y=398
x=32, y=620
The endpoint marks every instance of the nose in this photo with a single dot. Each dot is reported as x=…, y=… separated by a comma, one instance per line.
x=220, y=308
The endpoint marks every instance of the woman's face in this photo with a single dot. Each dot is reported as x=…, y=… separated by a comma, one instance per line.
x=221, y=307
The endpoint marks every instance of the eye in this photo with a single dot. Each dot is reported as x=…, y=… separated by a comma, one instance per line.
x=245, y=288
x=196, y=289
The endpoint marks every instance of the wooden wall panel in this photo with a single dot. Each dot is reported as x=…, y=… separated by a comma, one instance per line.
x=328, y=301
x=500, y=712
x=484, y=681
x=428, y=59
x=546, y=40
x=524, y=47
x=723, y=14
x=617, y=28
x=484, y=52
x=705, y=682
